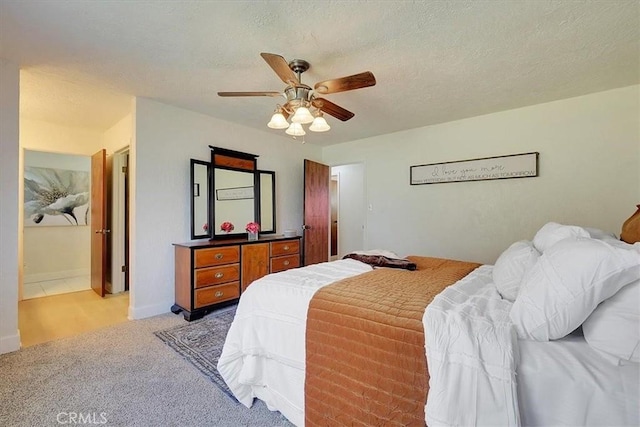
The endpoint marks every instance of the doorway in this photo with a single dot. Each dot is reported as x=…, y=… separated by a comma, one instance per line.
x=348, y=188
x=118, y=239
x=57, y=241
x=62, y=309
x=334, y=187
x=56, y=230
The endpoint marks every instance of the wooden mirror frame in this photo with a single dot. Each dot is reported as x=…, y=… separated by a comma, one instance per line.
x=200, y=231
x=261, y=175
x=225, y=159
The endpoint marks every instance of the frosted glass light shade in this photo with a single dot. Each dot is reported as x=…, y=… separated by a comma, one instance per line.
x=278, y=122
x=319, y=125
x=302, y=115
x=295, y=129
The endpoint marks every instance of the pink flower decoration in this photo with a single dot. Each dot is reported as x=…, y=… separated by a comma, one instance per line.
x=226, y=227
x=252, y=227
x=205, y=227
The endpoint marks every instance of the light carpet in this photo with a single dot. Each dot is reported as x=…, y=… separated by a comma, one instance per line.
x=200, y=343
x=117, y=376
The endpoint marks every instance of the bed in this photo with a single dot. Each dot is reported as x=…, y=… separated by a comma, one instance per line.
x=485, y=359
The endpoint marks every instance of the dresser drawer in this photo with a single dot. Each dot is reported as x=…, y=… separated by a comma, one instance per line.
x=285, y=247
x=284, y=263
x=216, y=275
x=216, y=294
x=216, y=256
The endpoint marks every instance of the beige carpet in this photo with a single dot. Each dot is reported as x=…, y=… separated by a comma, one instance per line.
x=200, y=343
x=117, y=376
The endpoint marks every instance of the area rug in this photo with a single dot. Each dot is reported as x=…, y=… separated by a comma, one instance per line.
x=200, y=343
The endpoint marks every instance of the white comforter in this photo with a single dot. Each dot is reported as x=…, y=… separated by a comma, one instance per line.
x=264, y=352
x=471, y=349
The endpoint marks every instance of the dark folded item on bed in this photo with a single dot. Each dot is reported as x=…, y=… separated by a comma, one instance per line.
x=382, y=261
x=365, y=358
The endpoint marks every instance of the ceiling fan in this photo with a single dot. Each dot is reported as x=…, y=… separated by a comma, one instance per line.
x=304, y=104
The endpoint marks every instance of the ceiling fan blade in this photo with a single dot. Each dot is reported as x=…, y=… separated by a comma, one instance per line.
x=343, y=84
x=332, y=109
x=249, y=94
x=281, y=67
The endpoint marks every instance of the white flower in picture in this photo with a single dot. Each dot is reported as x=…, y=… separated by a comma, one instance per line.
x=55, y=196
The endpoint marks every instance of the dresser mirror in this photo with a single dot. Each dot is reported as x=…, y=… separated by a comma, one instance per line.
x=231, y=189
x=234, y=200
x=200, y=212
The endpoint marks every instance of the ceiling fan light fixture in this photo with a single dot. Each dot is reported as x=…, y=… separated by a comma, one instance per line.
x=278, y=121
x=302, y=115
x=301, y=98
x=319, y=125
x=295, y=129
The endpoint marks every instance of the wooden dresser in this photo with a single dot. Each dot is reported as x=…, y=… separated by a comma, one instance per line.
x=213, y=273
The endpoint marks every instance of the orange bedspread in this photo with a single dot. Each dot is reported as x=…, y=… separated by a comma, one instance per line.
x=365, y=357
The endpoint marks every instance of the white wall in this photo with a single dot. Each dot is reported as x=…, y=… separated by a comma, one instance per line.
x=57, y=252
x=45, y=136
x=165, y=139
x=9, y=218
x=119, y=135
x=589, y=161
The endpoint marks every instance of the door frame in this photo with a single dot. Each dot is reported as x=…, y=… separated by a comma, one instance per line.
x=335, y=176
x=118, y=221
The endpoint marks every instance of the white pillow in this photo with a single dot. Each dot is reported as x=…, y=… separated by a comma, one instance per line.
x=567, y=283
x=614, y=326
x=596, y=233
x=511, y=266
x=552, y=232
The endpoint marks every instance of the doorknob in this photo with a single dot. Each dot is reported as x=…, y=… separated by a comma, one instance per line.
x=306, y=227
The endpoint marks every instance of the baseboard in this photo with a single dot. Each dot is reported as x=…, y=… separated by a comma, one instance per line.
x=54, y=275
x=10, y=343
x=136, y=313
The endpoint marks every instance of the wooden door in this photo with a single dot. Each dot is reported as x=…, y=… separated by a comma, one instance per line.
x=255, y=262
x=98, y=222
x=316, y=213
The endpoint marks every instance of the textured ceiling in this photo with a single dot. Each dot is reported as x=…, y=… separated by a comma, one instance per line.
x=434, y=61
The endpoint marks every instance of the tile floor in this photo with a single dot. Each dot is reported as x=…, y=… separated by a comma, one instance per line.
x=56, y=287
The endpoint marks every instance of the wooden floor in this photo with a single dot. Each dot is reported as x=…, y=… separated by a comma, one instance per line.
x=57, y=316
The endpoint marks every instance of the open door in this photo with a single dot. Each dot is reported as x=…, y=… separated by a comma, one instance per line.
x=316, y=213
x=98, y=221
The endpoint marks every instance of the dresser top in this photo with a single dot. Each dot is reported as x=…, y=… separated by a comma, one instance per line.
x=229, y=242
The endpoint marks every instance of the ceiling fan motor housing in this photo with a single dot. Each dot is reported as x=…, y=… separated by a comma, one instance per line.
x=297, y=95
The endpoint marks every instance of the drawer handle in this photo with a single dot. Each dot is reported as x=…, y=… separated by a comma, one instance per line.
x=286, y=248
x=219, y=275
x=286, y=262
x=219, y=256
x=219, y=294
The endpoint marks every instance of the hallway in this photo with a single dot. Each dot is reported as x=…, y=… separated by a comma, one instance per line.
x=59, y=316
